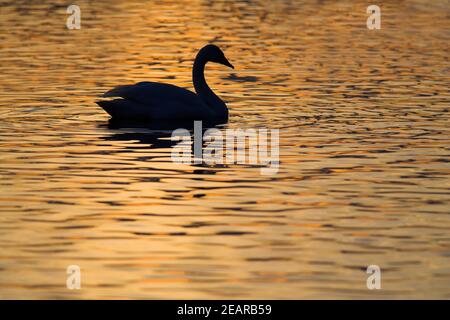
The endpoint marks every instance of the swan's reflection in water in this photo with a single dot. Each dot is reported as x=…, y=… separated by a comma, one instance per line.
x=159, y=138
x=248, y=148
x=167, y=126
x=156, y=135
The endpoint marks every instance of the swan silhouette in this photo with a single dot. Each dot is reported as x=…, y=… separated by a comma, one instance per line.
x=166, y=102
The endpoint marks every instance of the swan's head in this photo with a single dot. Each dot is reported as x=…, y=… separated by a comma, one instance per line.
x=214, y=54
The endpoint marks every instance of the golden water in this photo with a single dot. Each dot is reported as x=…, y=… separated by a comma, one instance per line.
x=364, y=150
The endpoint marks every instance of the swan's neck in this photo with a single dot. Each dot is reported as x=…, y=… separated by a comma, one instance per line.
x=203, y=90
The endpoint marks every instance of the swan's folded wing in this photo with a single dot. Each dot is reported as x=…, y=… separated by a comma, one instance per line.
x=148, y=93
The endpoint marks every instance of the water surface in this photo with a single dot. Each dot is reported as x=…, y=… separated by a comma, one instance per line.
x=364, y=150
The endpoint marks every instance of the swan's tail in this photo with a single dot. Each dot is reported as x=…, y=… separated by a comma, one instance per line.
x=111, y=107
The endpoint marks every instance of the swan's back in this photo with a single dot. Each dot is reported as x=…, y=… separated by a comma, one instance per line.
x=148, y=92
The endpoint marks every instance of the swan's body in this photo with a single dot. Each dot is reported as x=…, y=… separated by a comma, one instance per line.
x=161, y=101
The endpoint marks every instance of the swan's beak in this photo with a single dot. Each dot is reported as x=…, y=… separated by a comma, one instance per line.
x=227, y=63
